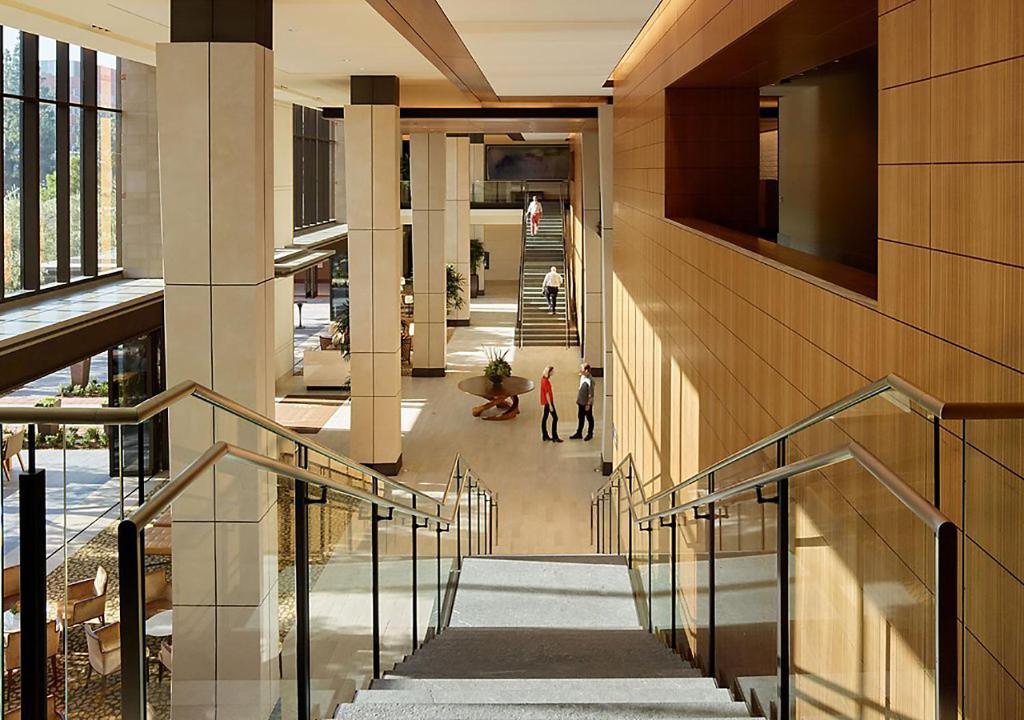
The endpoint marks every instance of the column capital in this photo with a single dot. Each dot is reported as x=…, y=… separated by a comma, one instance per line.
x=374, y=90
x=239, y=21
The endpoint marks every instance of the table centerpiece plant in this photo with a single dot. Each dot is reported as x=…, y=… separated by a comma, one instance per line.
x=497, y=367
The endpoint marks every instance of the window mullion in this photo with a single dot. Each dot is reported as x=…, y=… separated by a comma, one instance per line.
x=30, y=160
x=90, y=218
x=63, y=165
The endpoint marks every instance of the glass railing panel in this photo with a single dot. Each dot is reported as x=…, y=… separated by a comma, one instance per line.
x=287, y=590
x=661, y=571
x=993, y=562
x=340, y=592
x=497, y=194
x=449, y=564
x=396, y=592
x=862, y=611
x=745, y=594
x=427, y=561
x=898, y=432
x=692, y=582
x=92, y=481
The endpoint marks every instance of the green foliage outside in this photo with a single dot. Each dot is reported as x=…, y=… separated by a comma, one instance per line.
x=455, y=285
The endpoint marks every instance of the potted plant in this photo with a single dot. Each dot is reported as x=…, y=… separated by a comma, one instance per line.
x=476, y=261
x=48, y=428
x=455, y=282
x=497, y=368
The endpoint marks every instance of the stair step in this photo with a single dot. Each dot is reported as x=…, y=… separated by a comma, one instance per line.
x=545, y=711
x=497, y=653
x=604, y=690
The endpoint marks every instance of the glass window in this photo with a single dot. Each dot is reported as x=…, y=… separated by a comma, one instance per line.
x=76, y=193
x=75, y=72
x=108, y=163
x=108, y=81
x=12, y=61
x=47, y=68
x=47, y=193
x=13, y=280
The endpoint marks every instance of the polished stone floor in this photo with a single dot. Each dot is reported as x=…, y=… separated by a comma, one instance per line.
x=543, y=488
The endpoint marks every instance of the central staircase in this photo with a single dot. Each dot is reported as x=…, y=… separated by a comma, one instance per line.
x=543, y=638
x=538, y=327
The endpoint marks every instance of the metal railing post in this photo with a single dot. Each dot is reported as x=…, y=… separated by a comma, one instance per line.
x=629, y=483
x=133, y=652
x=947, y=580
x=650, y=573
x=302, y=639
x=597, y=513
x=458, y=514
x=469, y=513
x=609, y=504
x=375, y=580
x=437, y=531
x=672, y=544
x=415, y=586
x=618, y=517
x=711, y=580
x=782, y=557
x=32, y=520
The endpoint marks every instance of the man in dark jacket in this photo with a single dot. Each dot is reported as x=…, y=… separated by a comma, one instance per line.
x=585, y=405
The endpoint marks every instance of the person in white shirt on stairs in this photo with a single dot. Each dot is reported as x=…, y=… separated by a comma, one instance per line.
x=552, y=281
x=534, y=212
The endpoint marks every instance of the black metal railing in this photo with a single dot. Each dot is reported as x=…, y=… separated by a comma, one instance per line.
x=466, y=506
x=625, y=509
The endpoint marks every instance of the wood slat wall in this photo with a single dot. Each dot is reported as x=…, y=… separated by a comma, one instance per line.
x=715, y=347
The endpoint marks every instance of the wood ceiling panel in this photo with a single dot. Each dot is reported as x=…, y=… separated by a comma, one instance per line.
x=424, y=24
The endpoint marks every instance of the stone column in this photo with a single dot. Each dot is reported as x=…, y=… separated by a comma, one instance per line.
x=141, y=242
x=476, y=177
x=284, y=224
x=593, y=261
x=456, y=219
x=606, y=143
x=373, y=150
x=215, y=102
x=430, y=343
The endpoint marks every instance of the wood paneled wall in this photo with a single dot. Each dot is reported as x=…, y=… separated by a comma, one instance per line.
x=712, y=155
x=715, y=347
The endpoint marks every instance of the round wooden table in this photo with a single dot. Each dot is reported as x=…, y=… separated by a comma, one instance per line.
x=503, y=397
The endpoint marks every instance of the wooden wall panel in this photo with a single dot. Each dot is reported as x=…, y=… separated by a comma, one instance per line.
x=716, y=347
x=966, y=34
x=904, y=44
x=978, y=210
x=903, y=203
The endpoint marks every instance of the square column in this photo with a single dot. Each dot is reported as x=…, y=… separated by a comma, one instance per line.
x=606, y=145
x=456, y=220
x=427, y=167
x=373, y=151
x=593, y=260
x=215, y=114
x=476, y=179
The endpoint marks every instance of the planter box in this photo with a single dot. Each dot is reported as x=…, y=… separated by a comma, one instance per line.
x=325, y=369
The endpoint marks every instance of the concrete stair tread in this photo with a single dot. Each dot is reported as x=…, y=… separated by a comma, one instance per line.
x=543, y=691
x=542, y=711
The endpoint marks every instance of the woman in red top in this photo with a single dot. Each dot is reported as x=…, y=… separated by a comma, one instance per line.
x=547, y=399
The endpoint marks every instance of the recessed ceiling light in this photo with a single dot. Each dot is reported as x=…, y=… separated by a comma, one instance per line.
x=100, y=28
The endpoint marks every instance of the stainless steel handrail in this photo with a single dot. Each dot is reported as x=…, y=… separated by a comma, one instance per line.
x=164, y=400
x=938, y=408
x=518, y=340
x=909, y=497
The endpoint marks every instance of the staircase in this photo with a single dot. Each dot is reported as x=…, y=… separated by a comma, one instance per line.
x=538, y=327
x=543, y=638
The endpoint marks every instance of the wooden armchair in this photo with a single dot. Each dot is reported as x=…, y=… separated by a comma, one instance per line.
x=104, y=650
x=12, y=654
x=158, y=592
x=12, y=449
x=87, y=600
x=12, y=586
x=166, y=658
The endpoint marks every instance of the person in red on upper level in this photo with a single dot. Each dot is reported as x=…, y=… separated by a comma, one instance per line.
x=547, y=399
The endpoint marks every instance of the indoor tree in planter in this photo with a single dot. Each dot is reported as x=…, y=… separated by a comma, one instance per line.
x=455, y=282
x=476, y=262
